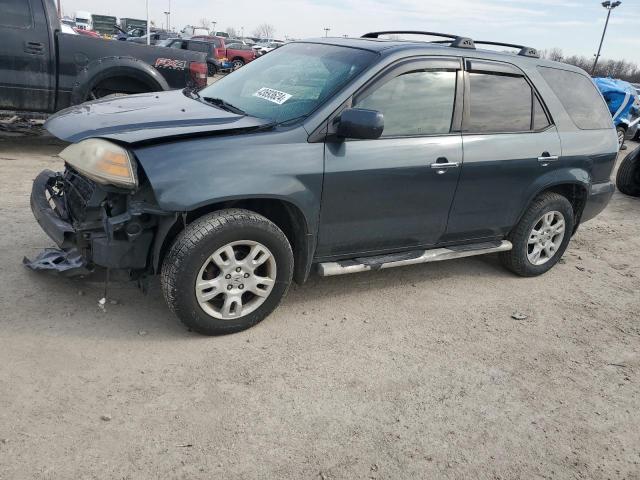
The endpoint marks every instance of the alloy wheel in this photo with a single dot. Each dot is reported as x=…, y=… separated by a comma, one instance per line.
x=236, y=279
x=545, y=238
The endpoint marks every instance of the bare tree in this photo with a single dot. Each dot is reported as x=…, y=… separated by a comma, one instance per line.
x=621, y=69
x=264, y=30
x=233, y=33
x=204, y=22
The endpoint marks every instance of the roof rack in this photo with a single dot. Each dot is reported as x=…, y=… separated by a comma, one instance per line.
x=524, y=51
x=456, y=40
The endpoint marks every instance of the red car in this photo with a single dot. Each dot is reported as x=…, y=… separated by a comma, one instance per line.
x=226, y=48
x=87, y=33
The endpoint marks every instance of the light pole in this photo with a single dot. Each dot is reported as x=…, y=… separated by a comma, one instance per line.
x=167, y=14
x=326, y=31
x=609, y=6
x=148, y=25
x=214, y=27
x=242, y=34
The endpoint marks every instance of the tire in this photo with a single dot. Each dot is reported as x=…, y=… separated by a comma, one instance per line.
x=628, y=176
x=621, y=132
x=237, y=63
x=190, y=259
x=211, y=69
x=518, y=260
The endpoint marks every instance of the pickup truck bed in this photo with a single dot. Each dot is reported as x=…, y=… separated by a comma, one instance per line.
x=44, y=70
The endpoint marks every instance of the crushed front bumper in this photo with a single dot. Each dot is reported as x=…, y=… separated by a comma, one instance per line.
x=108, y=227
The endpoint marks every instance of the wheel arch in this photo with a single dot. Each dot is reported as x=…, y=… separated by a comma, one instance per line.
x=575, y=190
x=286, y=215
x=107, y=68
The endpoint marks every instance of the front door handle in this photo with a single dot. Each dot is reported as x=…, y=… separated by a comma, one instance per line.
x=547, y=158
x=442, y=165
x=445, y=165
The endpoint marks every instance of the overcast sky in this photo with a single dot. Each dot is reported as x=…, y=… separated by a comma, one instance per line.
x=573, y=25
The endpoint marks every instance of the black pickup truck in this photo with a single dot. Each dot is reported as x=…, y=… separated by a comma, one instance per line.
x=45, y=70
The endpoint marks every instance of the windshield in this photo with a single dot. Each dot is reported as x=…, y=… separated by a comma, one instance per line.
x=290, y=82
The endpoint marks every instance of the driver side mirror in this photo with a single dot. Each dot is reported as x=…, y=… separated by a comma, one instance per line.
x=359, y=123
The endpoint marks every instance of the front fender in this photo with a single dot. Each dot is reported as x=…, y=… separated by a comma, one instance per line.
x=101, y=69
x=192, y=173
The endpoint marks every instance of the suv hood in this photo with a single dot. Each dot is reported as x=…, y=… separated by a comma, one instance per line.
x=145, y=117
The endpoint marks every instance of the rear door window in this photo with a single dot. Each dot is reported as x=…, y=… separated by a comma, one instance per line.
x=579, y=97
x=498, y=103
x=15, y=13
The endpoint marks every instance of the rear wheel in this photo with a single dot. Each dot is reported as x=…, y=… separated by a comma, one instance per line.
x=541, y=237
x=237, y=63
x=628, y=176
x=211, y=69
x=227, y=271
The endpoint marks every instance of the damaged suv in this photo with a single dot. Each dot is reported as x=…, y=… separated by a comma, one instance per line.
x=338, y=155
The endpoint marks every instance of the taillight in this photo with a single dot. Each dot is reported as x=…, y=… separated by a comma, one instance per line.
x=198, y=72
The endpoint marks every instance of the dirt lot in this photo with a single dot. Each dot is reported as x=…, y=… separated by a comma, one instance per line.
x=417, y=372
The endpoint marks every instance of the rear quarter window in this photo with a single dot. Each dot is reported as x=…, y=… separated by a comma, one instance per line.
x=579, y=97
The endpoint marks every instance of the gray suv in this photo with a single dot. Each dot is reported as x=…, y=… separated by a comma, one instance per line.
x=337, y=155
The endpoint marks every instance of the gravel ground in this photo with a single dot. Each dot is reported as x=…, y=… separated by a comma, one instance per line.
x=417, y=372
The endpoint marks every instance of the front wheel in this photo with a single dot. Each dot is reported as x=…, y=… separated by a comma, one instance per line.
x=237, y=63
x=227, y=271
x=541, y=237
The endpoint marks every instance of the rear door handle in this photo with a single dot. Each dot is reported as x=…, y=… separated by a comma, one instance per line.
x=546, y=158
x=34, y=47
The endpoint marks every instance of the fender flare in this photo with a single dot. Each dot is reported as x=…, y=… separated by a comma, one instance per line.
x=567, y=176
x=104, y=68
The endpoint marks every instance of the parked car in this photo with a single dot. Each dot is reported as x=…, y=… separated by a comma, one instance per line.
x=237, y=55
x=86, y=33
x=156, y=37
x=342, y=155
x=46, y=70
x=624, y=106
x=64, y=28
x=190, y=31
x=214, y=64
x=266, y=47
x=628, y=176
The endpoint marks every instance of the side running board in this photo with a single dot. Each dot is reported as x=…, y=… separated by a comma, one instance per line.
x=364, y=264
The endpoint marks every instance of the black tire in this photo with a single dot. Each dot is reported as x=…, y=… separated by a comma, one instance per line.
x=517, y=259
x=621, y=132
x=628, y=176
x=211, y=69
x=200, y=240
x=237, y=63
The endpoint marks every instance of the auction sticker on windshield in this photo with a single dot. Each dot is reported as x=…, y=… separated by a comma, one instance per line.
x=272, y=95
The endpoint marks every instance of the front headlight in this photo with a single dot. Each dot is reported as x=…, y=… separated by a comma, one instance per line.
x=102, y=161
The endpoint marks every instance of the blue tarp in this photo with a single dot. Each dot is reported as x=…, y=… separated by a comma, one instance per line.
x=621, y=98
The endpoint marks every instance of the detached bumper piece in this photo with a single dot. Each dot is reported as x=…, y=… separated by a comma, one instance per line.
x=92, y=224
x=69, y=263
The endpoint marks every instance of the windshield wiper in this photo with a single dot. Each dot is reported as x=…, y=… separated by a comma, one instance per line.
x=218, y=102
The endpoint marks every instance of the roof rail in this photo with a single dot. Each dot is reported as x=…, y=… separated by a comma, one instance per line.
x=456, y=41
x=524, y=51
